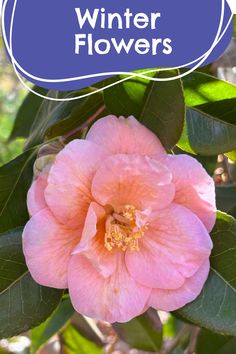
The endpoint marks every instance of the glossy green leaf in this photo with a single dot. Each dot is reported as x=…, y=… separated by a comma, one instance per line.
x=226, y=198
x=85, y=329
x=74, y=343
x=212, y=343
x=41, y=334
x=232, y=155
x=158, y=105
x=26, y=113
x=23, y=303
x=208, y=162
x=78, y=116
x=49, y=113
x=164, y=109
x=143, y=332
x=169, y=327
x=126, y=98
x=213, y=309
x=210, y=126
x=206, y=136
x=12, y=262
x=200, y=89
x=15, y=180
x=52, y=112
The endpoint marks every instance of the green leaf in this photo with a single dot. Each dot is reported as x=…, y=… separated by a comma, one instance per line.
x=49, y=113
x=212, y=343
x=26, y=113
x=205, y=135
x=210, y=126
x=85, y=329
x=200, y=89
x=52, y=112
x=232, y=155
x=128, y=97
x=173, y=327
x=78, y=116
x=40, y=335
x=213, y=308
x=169, y=327
x=226, y=198
x=12, y=262
x=23, y=303
x=164, y=109
x=15, y=180
x=143, y=332
x=74, y=342
x=158, y=105
x=208, y=162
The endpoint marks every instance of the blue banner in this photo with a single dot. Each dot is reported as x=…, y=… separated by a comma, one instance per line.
x=70, y=44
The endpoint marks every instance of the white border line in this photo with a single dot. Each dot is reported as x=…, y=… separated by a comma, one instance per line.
x=16, y=65
x=232, y=4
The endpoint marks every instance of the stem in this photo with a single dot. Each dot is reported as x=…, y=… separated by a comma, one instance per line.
x=85, y=124
x=193, y=341
x=111, y=347
x=176, y=341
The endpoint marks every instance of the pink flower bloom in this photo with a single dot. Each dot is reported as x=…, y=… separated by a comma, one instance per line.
x=120, y=223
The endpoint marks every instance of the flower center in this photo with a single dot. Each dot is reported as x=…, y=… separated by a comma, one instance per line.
x=125, y=228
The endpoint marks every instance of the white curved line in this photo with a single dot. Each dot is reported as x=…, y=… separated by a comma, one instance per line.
x=232, y=5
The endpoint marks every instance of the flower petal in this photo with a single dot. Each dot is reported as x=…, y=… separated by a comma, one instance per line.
x=171, y=300
x=173, y=249
x=125, y=136
x=195, y=189
x=92, y=241
x=47, y=247
x=35, y=197
x=134, y=180
x=68, y=192
x=115, y=299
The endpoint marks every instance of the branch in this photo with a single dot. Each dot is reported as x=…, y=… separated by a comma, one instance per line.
x=85, y=124
x=193, y=341
x=176, y=341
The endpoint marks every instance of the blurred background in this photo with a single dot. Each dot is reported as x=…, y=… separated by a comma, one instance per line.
x=11, y=96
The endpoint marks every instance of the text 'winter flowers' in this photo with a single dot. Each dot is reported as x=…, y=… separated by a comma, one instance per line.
x=99, y=19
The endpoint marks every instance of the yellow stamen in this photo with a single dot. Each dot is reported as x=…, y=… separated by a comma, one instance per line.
x=122, y=231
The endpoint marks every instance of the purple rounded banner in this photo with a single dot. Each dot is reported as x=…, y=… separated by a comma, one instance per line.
x=65, y=44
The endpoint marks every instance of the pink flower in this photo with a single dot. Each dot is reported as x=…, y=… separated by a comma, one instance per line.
x=120, y=223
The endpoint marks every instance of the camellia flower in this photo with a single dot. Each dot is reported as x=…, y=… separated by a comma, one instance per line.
x=120, y=223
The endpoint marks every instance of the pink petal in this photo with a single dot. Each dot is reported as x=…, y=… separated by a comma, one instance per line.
x=92, y=242
x=195, y=189
x=125, y=136
x=68, y=192
x=171, y=300
x=115, y=299
x=47, y=247
x=173, y=249
x=134, y=180
x=35, y=198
